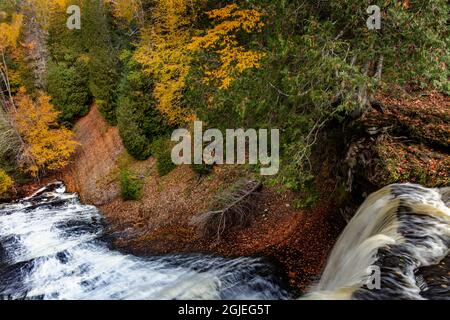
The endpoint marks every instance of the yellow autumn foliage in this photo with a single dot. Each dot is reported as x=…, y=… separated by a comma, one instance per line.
x=164, y=56
x=47, y=145
x=222, y=39
x=53, y=4
x=10, y=32
x=6, y=183
x=126, y=9
x=42, y=9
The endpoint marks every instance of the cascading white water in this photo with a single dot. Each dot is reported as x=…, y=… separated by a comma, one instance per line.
x=399, y=229
x=51, y=248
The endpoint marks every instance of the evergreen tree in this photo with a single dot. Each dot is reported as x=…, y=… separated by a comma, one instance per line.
x=103, y=62
x=67, y=73
x=139, y=122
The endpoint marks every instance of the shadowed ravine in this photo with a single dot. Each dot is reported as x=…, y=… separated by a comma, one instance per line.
x=51, y=247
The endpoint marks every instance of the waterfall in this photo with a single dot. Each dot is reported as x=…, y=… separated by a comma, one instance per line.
x=400, y=230
x=52, y=247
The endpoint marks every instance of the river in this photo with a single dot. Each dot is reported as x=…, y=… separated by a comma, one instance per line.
x=53, y=247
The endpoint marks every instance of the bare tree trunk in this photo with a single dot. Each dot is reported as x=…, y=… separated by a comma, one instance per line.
x=5, y=78
x=11, y=142
x=35, y=34
x=379, y=68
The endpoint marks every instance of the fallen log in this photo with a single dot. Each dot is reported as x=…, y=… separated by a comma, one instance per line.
x=229, y=210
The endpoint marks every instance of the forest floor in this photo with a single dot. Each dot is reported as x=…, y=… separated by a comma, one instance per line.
x=298, y=240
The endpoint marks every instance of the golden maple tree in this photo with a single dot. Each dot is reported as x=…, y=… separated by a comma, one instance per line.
x=164, y=55
x=48, y=146
x=9, y=32
x=222, y=39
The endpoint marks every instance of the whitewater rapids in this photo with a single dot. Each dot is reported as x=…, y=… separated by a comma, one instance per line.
x=51, y=247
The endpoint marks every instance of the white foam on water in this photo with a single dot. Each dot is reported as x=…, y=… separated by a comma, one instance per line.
x=65, y=260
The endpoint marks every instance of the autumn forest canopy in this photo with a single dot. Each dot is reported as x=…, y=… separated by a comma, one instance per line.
x=151, y=66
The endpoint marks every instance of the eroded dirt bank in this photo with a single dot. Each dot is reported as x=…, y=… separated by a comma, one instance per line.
x=91, y=172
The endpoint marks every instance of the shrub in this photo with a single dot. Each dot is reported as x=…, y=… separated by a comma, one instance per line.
x=130, y=185
x=202, y=169
x=161, y=149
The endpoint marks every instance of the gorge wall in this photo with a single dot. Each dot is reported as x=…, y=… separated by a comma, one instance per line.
x=90, y=173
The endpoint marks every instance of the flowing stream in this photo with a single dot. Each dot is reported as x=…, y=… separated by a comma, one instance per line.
x=53, y=247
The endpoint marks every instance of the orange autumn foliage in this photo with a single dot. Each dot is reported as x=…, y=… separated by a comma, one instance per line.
x=48, y=146
x=222, y=39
